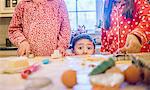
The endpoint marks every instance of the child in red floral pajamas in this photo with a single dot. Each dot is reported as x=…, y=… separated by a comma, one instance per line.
x=126, y=26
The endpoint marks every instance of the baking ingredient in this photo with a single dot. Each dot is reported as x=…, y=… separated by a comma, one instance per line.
x=36, y=83
x=99, y=87
x=94, y=58
x=69, y=78
x=56, y=54
x=13, y=65
x=132, y=74
x=101, y=68
x=45, y=61
x=107, y=81
x=114, y=70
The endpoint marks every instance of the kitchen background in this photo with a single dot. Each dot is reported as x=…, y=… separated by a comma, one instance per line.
x=83, y=14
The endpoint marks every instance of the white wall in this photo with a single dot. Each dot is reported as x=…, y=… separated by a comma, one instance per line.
x=4, y=22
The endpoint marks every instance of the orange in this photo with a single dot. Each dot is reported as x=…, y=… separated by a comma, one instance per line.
x=69, y=78
x=132, y=74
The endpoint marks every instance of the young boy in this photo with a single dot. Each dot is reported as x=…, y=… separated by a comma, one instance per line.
x=83, y=44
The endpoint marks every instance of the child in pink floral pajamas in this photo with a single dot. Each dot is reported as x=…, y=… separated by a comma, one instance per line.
x=40, y=27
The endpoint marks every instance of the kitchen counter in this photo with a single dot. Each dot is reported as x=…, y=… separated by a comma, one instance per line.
x=7, y=51
x=12, y=51
x=53, y=71
x=8, y=48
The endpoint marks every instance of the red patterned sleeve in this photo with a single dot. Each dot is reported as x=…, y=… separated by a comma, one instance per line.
x=104, y=43
x=15, y=30
x=143, y=28
x=64, y=34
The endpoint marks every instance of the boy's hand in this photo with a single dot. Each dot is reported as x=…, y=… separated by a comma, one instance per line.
x=24, y=48
x=132, y=45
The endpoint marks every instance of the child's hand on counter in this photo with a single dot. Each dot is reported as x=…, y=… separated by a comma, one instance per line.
x=24, y=48
x=132, y=45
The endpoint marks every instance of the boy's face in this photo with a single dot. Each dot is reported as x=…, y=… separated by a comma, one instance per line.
x=84, y=47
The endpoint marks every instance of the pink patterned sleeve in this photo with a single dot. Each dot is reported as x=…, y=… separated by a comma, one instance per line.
x=15, y=30
x=64, y=34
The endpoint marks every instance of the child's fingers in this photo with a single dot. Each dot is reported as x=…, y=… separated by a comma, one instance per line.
x=21, y=51
x=133, y=47
x=28, y=51
x=121, y=50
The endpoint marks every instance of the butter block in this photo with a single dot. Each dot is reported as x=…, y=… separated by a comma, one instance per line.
x=56, y=54
x=13, y=63
x=17, y=63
